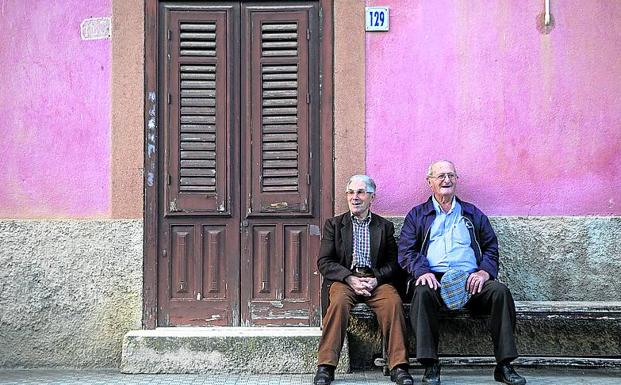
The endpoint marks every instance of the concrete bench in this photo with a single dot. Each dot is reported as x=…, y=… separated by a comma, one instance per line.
x=559, y=271
x=558, y=333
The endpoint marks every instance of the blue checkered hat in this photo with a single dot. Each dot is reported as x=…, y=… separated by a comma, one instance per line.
x=453, y=289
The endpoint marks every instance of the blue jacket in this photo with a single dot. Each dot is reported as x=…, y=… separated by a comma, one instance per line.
x=414, y=239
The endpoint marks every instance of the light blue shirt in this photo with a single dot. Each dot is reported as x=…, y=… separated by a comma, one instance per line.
x=449, y=241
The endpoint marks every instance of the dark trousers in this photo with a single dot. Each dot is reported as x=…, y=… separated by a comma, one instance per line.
x=386, y=304
x=494, y=300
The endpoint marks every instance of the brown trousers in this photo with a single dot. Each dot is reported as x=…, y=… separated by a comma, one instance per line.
x=386, y=304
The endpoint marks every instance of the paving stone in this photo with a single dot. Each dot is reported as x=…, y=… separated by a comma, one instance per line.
x=450, y=376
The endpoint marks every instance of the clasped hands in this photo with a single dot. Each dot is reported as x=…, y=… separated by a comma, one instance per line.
x=474, y=284
x=362, y=285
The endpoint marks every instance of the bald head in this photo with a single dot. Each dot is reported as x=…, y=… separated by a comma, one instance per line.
x=437, y=162
x=442, y=179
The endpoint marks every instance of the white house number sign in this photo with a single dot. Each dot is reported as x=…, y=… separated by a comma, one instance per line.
x=376, y=19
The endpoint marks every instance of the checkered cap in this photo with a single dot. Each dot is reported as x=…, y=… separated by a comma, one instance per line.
x=453, y=289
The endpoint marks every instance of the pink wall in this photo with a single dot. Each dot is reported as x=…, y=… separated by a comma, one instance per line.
x=533, y=121
x=54, y=109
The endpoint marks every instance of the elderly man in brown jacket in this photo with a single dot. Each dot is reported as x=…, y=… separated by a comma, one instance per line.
x=358, y=260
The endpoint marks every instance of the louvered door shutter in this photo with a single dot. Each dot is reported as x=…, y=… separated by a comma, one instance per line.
x=198, y=154
x=279, y=120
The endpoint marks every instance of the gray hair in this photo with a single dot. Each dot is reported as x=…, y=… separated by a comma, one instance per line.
x=430, y=169
x=368, y=181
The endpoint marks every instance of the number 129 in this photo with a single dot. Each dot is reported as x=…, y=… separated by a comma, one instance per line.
x=376, y=18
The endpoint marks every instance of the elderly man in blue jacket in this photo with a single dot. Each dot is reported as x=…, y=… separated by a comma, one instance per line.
x=446, y=236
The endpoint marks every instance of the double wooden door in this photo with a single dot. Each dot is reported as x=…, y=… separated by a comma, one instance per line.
x=240, y=180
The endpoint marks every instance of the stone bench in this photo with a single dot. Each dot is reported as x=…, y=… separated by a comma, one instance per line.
x=559, y=333
x=559, y=271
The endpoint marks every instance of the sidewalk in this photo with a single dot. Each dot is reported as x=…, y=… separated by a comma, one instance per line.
x=450, y=376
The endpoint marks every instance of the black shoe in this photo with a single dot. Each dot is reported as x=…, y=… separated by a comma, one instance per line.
x=505, y=373
x=401, y=376
x=432, y=374
x=324, y=375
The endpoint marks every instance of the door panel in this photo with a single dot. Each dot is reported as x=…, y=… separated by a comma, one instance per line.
x=297, y=261
x=278, y=105
x=199, y=129
x=280, y=134
x=199, y=260
x=182, y=261
x=214, y=267
x=278, y=284
x=264, y=265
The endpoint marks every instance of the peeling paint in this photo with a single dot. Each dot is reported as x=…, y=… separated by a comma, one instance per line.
x=215, y=317
x=96, y=28
x=151, y=139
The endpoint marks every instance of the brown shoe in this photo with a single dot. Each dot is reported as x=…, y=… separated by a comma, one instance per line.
x=324, y=375
x=401, y=376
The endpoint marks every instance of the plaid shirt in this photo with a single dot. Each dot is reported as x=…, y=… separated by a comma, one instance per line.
x=362, y=242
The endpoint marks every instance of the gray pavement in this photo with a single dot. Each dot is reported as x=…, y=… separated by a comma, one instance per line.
x=450, y=376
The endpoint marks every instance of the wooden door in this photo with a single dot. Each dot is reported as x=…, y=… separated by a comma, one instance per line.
x=280, y=189
x=199, y=232
x=239, y=162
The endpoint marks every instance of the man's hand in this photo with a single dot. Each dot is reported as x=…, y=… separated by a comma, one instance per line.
x=475, y=281
x=428, y=279
x=361, y=286
x=371, y=283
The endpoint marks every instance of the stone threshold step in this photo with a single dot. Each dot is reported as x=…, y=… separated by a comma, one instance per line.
x=265, y=350
x=226, y=332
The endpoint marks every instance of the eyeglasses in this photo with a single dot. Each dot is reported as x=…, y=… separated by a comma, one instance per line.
x=357, y=192
x=441, y=177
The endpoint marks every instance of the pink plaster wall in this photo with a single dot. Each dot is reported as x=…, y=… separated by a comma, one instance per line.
x=54, y=110
x=533, y=121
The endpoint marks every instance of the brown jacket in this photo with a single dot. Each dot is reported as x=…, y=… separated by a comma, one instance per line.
x=335, y=255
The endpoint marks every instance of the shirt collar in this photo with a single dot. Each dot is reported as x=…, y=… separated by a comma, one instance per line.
x=361, y=221
x=439, y=211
